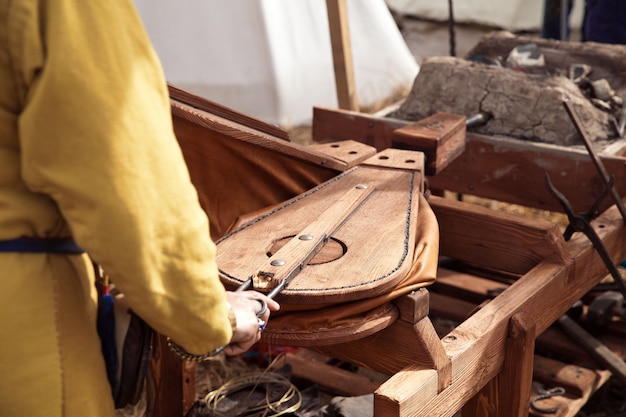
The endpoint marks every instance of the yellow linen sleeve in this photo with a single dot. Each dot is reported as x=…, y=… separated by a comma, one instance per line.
x=96, y=135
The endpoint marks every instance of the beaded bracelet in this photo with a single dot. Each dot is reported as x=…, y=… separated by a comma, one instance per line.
x=183, y=354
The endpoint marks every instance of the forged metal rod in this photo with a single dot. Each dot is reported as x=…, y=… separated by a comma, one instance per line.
x=591, y=213
x=596, y=160
x=580, y=224
x=543, y=395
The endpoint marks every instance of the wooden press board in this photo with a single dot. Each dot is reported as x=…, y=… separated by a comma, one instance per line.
x=370, y=234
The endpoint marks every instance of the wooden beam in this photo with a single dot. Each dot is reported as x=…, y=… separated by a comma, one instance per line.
x=331, y=125
x=220, y=110
x=312, y=367
x=496, y=240
x=441, y=137
x=382, y=351
x=512, y=171
x=342, y=54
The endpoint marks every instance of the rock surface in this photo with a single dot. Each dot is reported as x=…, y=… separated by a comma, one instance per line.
x=522, y=105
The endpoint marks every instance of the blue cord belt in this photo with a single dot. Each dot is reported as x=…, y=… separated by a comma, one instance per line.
x=41, y=245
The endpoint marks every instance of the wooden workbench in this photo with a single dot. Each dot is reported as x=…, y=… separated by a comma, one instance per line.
x=504, y=281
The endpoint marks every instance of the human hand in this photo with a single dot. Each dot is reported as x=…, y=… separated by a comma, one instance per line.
x=245, y=305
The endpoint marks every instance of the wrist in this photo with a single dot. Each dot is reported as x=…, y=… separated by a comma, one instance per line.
x=183, y=354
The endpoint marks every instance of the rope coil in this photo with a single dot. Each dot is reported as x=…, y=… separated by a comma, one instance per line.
x=267, y=381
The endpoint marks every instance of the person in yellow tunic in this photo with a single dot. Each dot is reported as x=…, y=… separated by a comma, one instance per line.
x=87, y=152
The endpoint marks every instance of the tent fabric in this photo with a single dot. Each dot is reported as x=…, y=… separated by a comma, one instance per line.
x=272, y=59
x=514, y=15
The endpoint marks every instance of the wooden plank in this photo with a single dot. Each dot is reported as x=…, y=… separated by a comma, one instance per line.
x=576, y=379
x=509, y=170
x=449, y=308
x=284, y=265
x=413, y=307
x=342, y=54
x=383, y=353
x=581, y=375
x=518, y=368
x=215, y=123
x=403, y=394
x=331, y=125
x=206, y=105
x=349, y=151
x=221, y=155
x=498, y=240
x=465, y=286
x=188, y=381
x=313, y=368
x=554, y=342
x=405, y=391
x=398, y=159
x=450, y=299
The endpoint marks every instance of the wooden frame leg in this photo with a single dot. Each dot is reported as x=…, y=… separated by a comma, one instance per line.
x=174, y=379
x=508, y=394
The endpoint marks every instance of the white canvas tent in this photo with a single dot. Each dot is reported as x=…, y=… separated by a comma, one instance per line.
x=272, y=59
x=514, y=15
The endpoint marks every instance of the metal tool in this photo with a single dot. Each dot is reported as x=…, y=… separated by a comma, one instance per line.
x=596, y=160
x=579, y=223
x=589, y=215
x=543, y=395
x=605, y=307
x=477, y=119
x=598, y=350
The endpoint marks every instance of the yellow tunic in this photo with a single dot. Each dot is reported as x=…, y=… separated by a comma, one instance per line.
x=87, y=149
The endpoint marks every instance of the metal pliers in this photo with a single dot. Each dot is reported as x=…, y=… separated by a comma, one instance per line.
x=579, y=222
x=582, y=223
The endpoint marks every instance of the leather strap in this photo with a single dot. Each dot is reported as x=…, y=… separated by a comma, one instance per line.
x=135, y=362
x=41, y=245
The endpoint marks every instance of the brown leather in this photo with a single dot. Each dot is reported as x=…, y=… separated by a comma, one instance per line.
x=233, y=176
x=137, y=348
x=303, y=324
x=340, y=323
